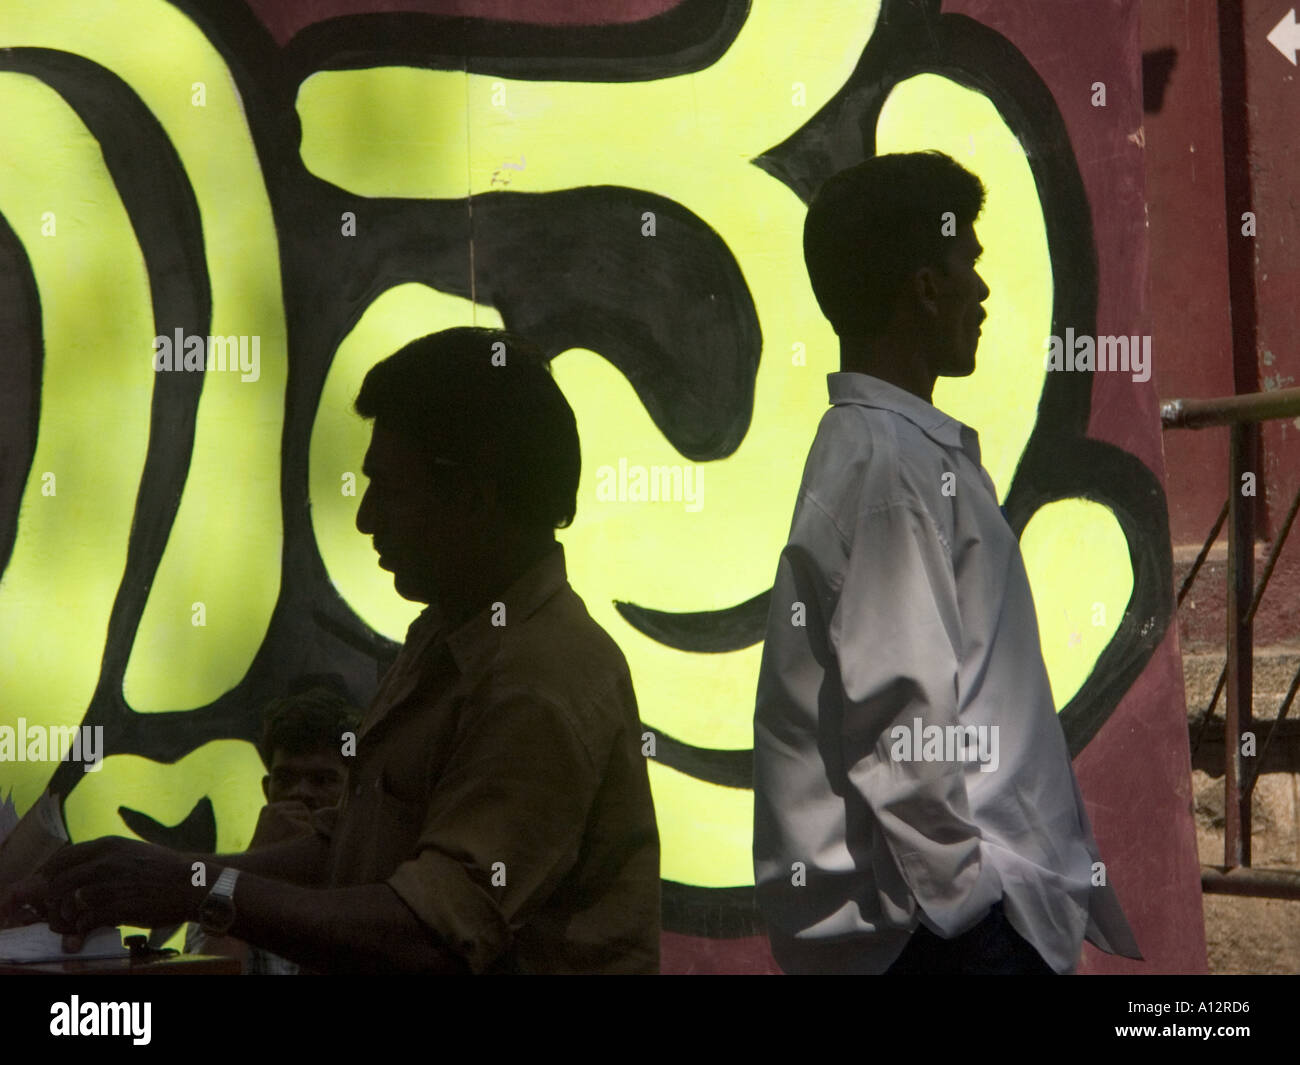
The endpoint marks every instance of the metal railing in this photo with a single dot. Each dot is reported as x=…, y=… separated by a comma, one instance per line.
x=1241, y=771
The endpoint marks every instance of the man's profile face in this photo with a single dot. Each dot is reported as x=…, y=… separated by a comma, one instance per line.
x=962, y=290
x=418, y=530
x=314, y=778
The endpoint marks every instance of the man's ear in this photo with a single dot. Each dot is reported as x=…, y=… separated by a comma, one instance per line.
x=925, y=287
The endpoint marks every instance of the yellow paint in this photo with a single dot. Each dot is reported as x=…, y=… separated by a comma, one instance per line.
x=228, y=772
x=1077, y=559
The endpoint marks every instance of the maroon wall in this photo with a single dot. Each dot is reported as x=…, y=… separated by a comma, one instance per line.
x=284, y=18
x=1214, y=335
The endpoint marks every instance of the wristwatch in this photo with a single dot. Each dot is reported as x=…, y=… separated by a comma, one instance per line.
x=217, y=911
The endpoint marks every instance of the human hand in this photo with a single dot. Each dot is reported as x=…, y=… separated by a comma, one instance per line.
x=106, y=882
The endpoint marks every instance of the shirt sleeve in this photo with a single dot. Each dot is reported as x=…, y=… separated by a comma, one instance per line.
x=504, y=827
x=895, y=634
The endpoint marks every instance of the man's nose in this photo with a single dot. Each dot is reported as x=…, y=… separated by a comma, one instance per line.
x=365, y=514
x=984, y=289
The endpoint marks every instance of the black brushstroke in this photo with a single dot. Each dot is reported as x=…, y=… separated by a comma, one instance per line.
x=712, y=913
x=691, y=36
x=20, y=381
x=197, y=833
x=732, y=768
x=671, y=311
x=705, y=631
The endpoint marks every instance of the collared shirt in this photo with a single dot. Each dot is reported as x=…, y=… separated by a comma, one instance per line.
x=901, y=616
x=499, y=788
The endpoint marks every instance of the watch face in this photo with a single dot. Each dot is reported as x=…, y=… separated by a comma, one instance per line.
x=217, y=914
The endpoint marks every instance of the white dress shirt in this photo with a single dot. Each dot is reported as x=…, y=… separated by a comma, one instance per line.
x=900, y=604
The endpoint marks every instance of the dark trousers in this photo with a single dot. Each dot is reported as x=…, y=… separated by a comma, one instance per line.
x=991, y=948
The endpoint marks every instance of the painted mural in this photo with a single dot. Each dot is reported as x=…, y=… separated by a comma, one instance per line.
x=176, y=547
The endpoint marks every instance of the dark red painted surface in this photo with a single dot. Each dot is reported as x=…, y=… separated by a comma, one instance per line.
x=1136, y=773
x=1192, y=229
x=284, y=18
x=1273, y=102
x=690, y=955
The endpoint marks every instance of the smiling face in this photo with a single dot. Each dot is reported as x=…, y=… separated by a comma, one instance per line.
x=961, y=290
x=419, y=514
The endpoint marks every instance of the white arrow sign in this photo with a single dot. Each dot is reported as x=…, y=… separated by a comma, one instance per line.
x=1285, y=36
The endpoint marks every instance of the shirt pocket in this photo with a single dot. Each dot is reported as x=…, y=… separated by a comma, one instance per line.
x=382, y=831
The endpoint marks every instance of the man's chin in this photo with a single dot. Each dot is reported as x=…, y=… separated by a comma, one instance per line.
x=407, y=590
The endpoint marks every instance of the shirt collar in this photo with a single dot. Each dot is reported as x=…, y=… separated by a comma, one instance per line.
x=477, y=638
x=867, y=391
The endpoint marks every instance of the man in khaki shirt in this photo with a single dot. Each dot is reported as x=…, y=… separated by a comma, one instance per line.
x=498, y=815
x=500, y=791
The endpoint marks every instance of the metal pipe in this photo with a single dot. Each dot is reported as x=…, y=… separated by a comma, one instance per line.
x=1204, y=554
x=1241, y=580
x=1230, y=410
x=1265, y=883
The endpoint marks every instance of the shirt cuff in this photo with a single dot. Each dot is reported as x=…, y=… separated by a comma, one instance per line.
x=443, y=895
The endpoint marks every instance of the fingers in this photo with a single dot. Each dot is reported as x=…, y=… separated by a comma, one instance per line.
x=68, y=861
x=24, y=902
x=23, y=892
x=78, y=913
x=87, y=921
x=84, y=866
x=69, y=908
x=106, y=882
x=72, y=944
x=68, y=854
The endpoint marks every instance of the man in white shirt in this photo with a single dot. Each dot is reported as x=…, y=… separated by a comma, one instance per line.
x=915, y=808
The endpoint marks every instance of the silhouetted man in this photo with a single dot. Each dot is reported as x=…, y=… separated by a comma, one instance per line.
x=497, y=816
x=915, y=809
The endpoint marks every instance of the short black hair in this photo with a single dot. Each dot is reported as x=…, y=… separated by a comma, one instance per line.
x=484, y=399
x=307, y=721
x=872, y=226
